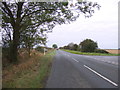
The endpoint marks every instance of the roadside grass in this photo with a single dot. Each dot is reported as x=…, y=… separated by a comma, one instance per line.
x=33, y=73
x=84, y=53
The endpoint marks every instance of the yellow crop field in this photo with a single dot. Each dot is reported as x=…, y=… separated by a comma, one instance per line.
x=113, y=51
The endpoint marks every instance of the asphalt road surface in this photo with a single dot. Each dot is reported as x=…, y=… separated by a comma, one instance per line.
x=82, y=71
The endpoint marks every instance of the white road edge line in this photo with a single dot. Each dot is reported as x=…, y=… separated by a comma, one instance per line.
x=75, y=60
x=101, y=75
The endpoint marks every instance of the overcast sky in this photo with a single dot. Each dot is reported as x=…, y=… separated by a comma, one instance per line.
x=102, y=27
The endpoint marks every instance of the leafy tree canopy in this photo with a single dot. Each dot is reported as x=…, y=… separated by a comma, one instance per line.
x=54, y=46
x=88, y=45
x=27, y=23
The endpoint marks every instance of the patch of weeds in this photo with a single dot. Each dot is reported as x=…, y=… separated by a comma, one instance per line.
x=31, y=74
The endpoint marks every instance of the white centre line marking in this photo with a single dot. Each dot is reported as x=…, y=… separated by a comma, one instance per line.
x=75, y=60
x=100, y=75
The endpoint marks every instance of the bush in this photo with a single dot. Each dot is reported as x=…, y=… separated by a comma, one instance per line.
x=40, y=49
x=100, y=51
x=5, y=56
x=5, y=53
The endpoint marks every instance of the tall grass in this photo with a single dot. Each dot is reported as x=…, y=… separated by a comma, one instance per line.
x=32, y=73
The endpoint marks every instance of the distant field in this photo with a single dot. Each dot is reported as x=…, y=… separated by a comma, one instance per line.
x=113, y=51
x=84, y=53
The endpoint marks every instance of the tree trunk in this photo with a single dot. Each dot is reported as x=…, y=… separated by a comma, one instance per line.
x=29, y=47
x=14, y=48
x=15, y=23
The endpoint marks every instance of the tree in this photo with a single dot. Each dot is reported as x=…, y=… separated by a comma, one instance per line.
x=54, y=46
x=40, y=16
x=66, y=47
x=75, y=47
x=30, y=38
x=71, y=45
x=88, y=45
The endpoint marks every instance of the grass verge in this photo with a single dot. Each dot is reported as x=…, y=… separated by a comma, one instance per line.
x=97, y=54
x=32, y=73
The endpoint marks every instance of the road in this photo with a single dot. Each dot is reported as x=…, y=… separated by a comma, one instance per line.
x=82, y=71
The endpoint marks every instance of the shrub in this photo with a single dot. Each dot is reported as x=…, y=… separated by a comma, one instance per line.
x=100, y=51
x=5, y=52
x=40, y=49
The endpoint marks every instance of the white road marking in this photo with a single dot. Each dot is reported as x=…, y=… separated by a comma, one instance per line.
x=75, y=60
x=101, y=75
